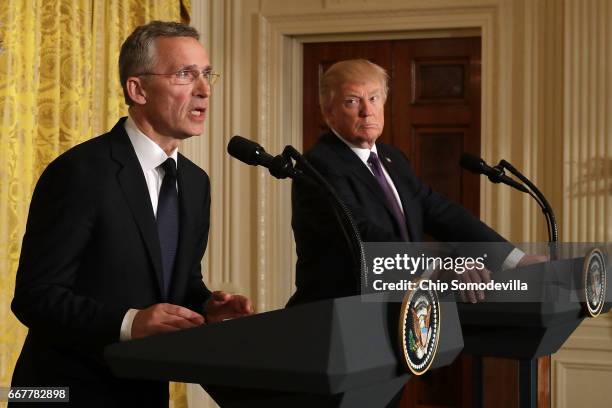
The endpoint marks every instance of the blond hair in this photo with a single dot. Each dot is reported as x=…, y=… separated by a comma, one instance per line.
x=357, y=70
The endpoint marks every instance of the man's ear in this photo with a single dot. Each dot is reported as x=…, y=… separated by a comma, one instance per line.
x=136, y=91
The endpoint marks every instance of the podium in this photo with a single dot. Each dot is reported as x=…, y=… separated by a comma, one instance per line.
x=332, y=353
x=527, y=328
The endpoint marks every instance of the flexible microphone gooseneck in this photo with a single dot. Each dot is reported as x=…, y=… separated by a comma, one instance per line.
x=553, y=230
x=496, y=175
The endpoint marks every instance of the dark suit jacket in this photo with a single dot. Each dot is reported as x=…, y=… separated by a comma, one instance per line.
x=324, y=269
x=91, y=252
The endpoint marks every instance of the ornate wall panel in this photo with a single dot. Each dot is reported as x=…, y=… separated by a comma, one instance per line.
x=587, y=128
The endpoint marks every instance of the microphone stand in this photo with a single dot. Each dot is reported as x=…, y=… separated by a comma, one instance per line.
x=341, y=211
x=551, y=223
x=528, y=368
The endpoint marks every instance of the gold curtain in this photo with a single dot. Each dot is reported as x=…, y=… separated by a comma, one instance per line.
x=59, y=85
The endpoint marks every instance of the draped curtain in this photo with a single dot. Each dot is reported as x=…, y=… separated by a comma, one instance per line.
x=59, y=85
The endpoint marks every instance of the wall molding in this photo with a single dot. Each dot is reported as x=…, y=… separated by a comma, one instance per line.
x=569, y=368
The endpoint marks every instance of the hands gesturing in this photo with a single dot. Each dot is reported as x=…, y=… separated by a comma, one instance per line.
x=162, y=318
x=166, y=317
x=223, y=306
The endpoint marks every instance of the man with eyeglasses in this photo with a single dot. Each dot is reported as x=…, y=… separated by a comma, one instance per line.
x=117, y=228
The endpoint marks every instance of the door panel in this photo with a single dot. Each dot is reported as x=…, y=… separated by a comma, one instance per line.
x=445, y=144
x=436, y=84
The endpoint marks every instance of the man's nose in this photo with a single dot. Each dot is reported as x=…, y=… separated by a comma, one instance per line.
x=366, y=109
x=201, y=87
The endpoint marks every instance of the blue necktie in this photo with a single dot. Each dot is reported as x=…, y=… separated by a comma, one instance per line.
x=386, y=188
x=168, y=221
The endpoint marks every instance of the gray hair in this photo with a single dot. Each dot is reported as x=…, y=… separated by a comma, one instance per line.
x=137, y=54
x=357, y=70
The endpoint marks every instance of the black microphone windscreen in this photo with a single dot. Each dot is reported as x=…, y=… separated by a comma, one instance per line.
x=243, y=149
x=472, y=163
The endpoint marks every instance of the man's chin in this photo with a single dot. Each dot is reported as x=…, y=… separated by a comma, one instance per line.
x=370, y=137
x=193, y=132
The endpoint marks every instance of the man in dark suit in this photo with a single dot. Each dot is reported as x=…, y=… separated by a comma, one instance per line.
x=377, y=184
x=117, y=229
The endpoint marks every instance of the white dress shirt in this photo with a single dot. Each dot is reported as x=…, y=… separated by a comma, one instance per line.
x=151, y=157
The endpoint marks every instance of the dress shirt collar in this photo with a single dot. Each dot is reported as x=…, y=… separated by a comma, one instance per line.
x=149, y=154
x=363, y=154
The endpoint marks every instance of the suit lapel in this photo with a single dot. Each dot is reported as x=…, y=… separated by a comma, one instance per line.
x=134, y=187
x=356, y=166
x=407, y=202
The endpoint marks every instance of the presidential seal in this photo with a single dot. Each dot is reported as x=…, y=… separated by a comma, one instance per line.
x=594, y=279
x=419, y=329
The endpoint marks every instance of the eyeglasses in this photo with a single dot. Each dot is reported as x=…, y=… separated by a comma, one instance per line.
x=188, y=76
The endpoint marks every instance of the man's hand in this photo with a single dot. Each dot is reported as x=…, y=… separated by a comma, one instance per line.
x=469, y=275
x=484, y=275
x=532, y=259
x=223, y=306
x=476, y=276
x=162, y=318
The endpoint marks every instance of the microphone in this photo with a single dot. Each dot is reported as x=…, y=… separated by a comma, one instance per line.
x=253, y=154
x=495, y=174
x=248, y=152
